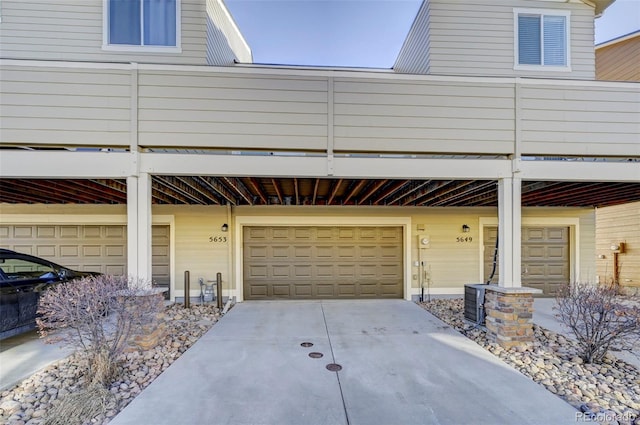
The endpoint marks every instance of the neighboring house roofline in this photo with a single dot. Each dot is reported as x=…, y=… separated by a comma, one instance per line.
x=619, y=39
x=599, y=5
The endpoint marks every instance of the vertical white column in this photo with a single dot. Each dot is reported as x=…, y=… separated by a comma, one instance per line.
x=509, y=232
x=144, y=227
x=139, y=226
x=132, y=226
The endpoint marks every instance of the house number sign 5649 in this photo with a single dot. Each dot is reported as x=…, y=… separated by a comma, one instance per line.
x=464, y=239
x=217, y=239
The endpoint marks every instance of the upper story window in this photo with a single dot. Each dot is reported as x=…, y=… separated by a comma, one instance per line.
x=142, y=25
x=542, y=39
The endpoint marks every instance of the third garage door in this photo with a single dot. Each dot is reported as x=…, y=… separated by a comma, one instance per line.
x=545, y=257
x=322, y=262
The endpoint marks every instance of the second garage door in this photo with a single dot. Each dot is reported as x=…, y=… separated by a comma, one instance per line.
x=322, y=262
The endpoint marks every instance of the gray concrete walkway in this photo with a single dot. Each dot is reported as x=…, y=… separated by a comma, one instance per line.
x=23, y=355
x=400, y=365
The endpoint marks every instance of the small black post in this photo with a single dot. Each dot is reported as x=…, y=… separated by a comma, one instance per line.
x=219, y=290
x=187, y=289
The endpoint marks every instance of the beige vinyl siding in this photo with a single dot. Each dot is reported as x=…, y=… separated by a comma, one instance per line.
x=477, y=38
x=243, y=112
x=580, y=120
x=619, y=61
x=225, y=43
x=193, y=250
x=58, y=106
x=451, y=263
x=424, y=117
x=204, y=107
x=73, y=31
x=620, y=223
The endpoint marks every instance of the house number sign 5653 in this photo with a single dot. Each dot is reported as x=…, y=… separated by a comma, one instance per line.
x=217, y=239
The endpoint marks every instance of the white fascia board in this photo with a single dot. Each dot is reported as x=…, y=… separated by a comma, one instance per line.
x=64, y=164
x=580, y=171
x=233, y=165
x=411, y=168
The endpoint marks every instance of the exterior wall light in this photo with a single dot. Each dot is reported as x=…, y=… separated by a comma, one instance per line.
x=465, y=228
x=618, y=247
x=225, y=227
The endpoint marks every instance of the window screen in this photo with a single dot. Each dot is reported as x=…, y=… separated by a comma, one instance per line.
x=542, y=39
x=142, y=22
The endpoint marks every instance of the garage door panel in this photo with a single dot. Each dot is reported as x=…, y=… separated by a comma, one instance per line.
x=345, y=233
x=45, y=232
x=116, y=232
x=303, y=252
x=324, y=270
x=323, y=262
x=302, y=234
x=323, y=290
x=23, y=232
x=281, y=290
x=46, y=251
x=280, y=251
x=303, y=271
x=303, y=291
x=114, y=251
x=280, y=233
x=346, y=252
x=89, y=232
x=347, y=289
x=325, y=252
x=91, y=250
x=70, y=232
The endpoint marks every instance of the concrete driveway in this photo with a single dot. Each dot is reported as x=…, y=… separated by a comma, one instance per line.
x=400, y=365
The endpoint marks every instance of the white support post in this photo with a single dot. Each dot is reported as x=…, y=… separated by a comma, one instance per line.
x=509, y=232
x=139, y=227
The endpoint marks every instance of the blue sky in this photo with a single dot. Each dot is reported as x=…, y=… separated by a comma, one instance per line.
x=358, y=33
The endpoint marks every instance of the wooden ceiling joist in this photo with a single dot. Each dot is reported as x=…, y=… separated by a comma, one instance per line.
x=373, y=189
x=334, y=191
x=240, y=188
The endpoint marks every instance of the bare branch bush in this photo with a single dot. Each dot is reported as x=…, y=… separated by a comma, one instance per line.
x=599, y=318
x=98, y=316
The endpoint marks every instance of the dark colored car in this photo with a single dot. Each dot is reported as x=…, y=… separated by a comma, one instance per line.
x=22, y=278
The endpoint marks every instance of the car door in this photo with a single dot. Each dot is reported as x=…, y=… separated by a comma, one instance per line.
x=22, y=280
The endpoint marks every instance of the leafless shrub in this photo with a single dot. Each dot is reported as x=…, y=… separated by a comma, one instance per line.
x=98, y=316
x=599, y=318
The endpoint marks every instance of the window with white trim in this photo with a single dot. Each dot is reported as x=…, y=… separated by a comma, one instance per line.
x=541, y=38
x=142, y=24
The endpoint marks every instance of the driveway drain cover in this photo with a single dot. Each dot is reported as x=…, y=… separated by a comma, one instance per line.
x=334, y=367
x=307, y=344
x=315, y=355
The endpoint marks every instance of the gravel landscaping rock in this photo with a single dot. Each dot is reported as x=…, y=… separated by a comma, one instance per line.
x=29, y=401
x=607, y=393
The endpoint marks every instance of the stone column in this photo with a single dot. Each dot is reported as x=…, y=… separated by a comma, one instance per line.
x=509, y=315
